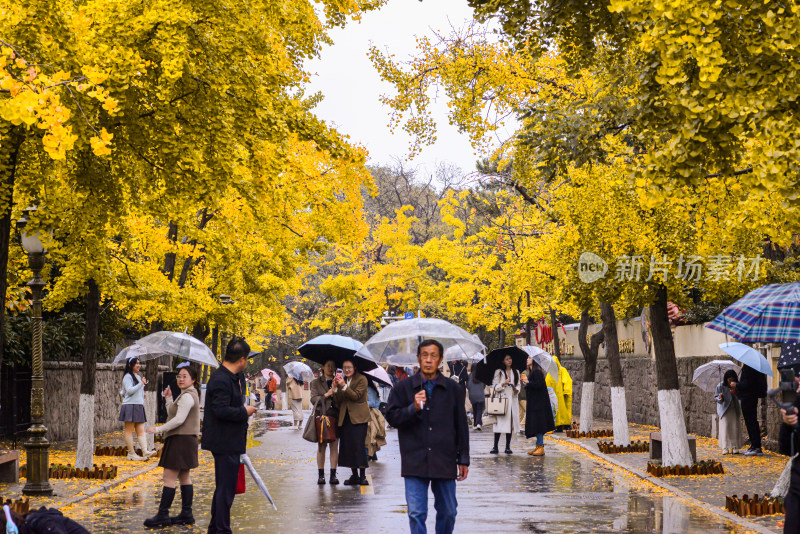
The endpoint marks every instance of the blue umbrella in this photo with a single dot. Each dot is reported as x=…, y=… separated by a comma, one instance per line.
x=769, y=314
x=748, y=356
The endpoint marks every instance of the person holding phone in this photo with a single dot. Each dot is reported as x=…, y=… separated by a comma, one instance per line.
x=729, y=412
x=351, y=398
x=322, y=390
x=180, y=449
x=132, y=410
x=431, y=420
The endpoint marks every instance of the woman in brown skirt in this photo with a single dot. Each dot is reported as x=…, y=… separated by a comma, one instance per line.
x=180, y=449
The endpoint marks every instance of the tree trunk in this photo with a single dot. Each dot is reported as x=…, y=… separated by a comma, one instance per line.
x=84, y=457
x=675, y=443
x=589, y=348
x=619, y=407
x=556, y=341
x=12, y=139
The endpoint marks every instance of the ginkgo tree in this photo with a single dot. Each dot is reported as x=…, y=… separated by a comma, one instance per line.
x=155, y=113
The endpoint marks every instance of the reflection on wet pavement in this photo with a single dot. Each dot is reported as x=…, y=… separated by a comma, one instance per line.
x=563, y=492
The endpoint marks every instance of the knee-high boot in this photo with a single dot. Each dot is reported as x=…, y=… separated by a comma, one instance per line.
x=185, y=517
x=161, y=519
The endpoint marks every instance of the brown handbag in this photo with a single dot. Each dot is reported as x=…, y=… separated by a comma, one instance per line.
x=326, y=428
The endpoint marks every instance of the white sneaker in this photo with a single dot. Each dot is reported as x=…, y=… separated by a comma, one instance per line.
x=134, y=457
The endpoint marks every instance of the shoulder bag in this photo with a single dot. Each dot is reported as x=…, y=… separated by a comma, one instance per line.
x=496, y=405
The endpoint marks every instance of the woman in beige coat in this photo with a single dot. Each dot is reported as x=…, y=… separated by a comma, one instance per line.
x=295, y=391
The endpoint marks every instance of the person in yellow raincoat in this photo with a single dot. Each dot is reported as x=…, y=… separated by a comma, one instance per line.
x=566, y=386
x=564, y=412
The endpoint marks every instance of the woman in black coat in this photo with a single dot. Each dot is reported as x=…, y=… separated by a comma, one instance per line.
x=539, y=412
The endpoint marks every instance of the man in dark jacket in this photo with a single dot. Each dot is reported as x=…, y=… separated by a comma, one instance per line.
x=752, y=386
x=225, y=431
x=428, y=411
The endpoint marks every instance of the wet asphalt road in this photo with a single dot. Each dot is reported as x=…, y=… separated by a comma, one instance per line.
x=563, y=492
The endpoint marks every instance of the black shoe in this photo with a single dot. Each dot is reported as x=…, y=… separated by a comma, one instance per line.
x=494, y=451
x=321, y=480
x=185, y=517
x=333, y=481
x=162, y=519
x=362, y=481
x=354, y=480
x=375, y=457
x=509, y=451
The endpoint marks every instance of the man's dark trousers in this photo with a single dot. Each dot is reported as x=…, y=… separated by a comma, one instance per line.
x=226, y=474
x=750, y=415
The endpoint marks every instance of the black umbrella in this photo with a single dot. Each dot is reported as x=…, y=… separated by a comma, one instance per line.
x=484, y=371
x=336, y=348
x=790, y=356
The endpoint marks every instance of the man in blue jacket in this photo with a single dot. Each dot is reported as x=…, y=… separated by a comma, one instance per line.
x=225, y=431
x=428, y=411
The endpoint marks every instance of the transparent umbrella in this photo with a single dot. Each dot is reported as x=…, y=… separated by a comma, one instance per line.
x=299, y=371
x=397, y=343
x=544, y=360
x=165, y=343
x=708, y=375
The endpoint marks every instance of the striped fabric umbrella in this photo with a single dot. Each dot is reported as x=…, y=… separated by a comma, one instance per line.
x=769, y=314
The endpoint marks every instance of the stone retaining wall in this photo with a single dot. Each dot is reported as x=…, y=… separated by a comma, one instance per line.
x=641, y=397
x=62, y=390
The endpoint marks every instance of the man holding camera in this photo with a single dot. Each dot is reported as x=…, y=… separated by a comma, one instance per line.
x=428, y=412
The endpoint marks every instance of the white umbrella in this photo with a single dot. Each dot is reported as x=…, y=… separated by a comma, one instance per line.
x=299, y=371
x=380, y=374
x=257, y=479
x=710, y=374
x=176, y=344
x=397, y=343
x=748, y=356
x=544, y=360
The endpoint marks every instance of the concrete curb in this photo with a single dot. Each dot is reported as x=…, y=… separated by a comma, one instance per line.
x=91, y=492
x=733, y=518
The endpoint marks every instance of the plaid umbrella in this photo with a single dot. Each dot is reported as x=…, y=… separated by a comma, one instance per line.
x=769, y=314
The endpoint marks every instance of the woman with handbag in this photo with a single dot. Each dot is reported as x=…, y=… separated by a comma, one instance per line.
x=350, y=396
x=322, y=390
x=539, y=413
x=506, y=385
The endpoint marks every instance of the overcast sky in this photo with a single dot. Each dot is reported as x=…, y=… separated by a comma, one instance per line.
x=352, y=87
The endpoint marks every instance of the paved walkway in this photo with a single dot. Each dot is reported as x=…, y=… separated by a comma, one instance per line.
x=743, y=475
x=564, y=492
x=569, y=490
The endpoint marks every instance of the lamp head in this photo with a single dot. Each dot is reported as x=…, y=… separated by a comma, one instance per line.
x=30, y=240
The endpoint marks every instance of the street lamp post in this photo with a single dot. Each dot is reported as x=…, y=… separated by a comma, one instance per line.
x=37, y=447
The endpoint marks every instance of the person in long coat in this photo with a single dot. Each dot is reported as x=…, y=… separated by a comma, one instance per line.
x=295, y=390
x=539, y=417
x=351, y=398
x=321, y=391
x=506, y=384
x=562, y=417
x=729, y=411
